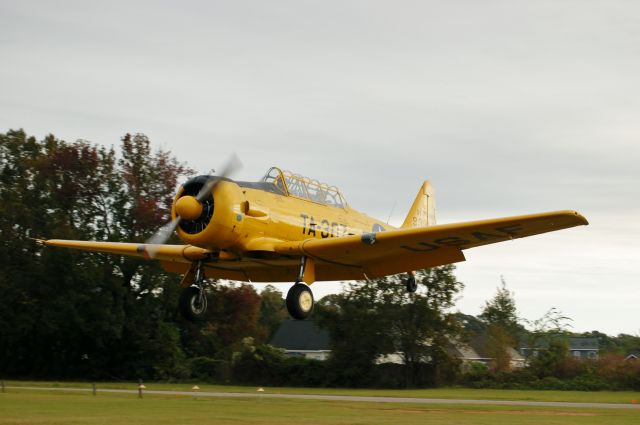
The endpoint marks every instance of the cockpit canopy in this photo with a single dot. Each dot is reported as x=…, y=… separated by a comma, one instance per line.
x=305, y=188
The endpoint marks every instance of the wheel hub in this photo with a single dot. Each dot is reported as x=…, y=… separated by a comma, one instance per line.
x=197, y=304
x=305, y=300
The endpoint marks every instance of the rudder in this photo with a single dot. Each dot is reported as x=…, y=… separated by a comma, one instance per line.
x=423, y=211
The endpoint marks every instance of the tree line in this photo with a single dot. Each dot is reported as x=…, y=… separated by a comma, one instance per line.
x=72, y=314
x=548, y=362
x=67, y=314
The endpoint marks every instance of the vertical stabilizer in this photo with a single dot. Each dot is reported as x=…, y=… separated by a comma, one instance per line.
x=423, y=210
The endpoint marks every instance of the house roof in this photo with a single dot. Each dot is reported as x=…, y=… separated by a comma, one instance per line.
x=583, y=344
x=462, y=351
x=575, y=343
x=479, y=344
x=300, y=335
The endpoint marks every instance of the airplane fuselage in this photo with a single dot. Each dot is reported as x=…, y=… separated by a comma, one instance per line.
x=248, y=219
x=291, y=218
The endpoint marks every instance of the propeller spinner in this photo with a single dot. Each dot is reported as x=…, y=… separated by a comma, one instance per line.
x=191, y=207
x=188, y=208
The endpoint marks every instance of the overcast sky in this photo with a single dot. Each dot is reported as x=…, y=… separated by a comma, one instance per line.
x=508, y=107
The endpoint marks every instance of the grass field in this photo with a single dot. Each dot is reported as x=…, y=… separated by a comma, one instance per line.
x=19, y=407
x=24, y=406
x=623, y=397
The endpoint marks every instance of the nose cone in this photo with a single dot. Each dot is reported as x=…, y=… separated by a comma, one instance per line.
x=188, y=208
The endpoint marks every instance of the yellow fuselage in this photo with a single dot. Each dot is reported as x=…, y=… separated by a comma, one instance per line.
x=247, y=219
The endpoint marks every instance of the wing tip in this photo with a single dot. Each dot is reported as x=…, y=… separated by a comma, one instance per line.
x=581, y=219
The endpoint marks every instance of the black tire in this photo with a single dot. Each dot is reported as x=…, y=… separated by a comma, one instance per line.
x=192, y=307
x=300, y=301
x=411, y=284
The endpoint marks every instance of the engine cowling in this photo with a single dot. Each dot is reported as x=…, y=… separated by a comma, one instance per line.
x=216, y=221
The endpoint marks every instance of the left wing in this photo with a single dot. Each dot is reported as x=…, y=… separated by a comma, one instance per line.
x=179, y=253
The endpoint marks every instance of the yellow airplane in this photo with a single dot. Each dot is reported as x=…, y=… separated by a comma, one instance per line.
x=287, y=227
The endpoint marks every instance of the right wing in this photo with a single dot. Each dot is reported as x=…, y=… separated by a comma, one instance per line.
x=401, y=250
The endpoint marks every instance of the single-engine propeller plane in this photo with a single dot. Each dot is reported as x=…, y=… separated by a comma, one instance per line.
x=287, y=227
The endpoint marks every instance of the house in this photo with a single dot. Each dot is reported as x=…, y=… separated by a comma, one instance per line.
x=473, y=351
x=579, y=348
x=476, y=350
x=302, y=338
x=584, y=348
x=634, y=355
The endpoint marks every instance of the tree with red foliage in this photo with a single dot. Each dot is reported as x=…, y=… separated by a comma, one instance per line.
x=64, y=312
x=232, y=315
x=149, y=182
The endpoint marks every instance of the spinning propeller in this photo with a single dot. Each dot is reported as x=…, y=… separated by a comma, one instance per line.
x=190, y=207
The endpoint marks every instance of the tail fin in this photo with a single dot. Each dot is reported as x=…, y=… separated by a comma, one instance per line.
x=423, y=210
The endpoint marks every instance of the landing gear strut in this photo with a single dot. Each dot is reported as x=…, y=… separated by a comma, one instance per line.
x=300, y=298
x=193, y=301
x=411, y=284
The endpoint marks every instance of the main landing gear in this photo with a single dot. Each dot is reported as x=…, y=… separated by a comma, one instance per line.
x=299, y=302
x=193, y=300
x=300, y=298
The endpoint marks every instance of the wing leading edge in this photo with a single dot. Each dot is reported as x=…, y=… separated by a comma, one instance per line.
x=348, y=257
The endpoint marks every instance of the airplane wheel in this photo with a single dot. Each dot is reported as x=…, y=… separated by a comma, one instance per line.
x=300, y=301
x=192, y=304
x=411, y=284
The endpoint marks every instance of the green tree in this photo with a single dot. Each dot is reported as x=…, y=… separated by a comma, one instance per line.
x=272, y=312
x=380, y=317
x=69, y=313
x=501, y=310
x=552, y=361
x=621, y=344
x=52, y=296
x=500, y=316
x=472, y=325
x=553, y=325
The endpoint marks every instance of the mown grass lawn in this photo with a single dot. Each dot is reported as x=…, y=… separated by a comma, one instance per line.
x=18, y=407
x=623, y=397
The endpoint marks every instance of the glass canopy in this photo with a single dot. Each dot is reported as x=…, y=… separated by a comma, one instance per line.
x=304, y=187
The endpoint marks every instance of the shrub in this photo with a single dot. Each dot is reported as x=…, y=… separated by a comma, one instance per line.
x=265, y=365
x=210, y=370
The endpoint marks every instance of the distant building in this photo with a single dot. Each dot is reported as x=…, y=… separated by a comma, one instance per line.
x=302, y=338
x=579, y=348
x=634, y=355
x=584, y=348
x=305, y=339
x=477, y=350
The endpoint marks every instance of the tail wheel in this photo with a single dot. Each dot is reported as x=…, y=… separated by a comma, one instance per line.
x=193, y=303
x=411, y=284
x=300, y=301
